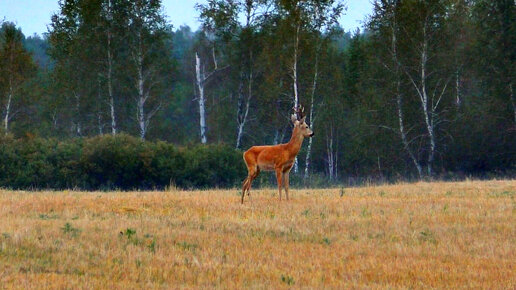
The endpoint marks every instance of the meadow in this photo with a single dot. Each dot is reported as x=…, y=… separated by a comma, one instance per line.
x=422, y=235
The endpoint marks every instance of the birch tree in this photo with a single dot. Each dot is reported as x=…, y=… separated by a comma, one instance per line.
x=385, y=22
x=146, y=34
x=426, y=39
x=223, y=19
x=108, y=27
x=16, y=67
x=324, y=16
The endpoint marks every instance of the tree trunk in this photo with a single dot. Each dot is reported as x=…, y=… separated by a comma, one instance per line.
x=243, y=113
x=200, y=85
x=511, y=94
x=110, y=84
x=141, y=99
x=424, y=103
x=312, y=121
x=78, y=129
x=399, y=103
x=214, y=57
x=294, y=69
x=8, y=107
x=331, y=157
x=457, y=88
x=404, y=135
x=99, y=105
x=294, y=78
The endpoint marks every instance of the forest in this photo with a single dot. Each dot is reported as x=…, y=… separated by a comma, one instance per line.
x=425, y=90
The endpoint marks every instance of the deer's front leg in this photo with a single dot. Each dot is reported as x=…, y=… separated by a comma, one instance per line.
x=279, y=178
x=286, y=182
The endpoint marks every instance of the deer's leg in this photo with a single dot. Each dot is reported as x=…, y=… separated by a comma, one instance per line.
x=286, y=182
x=279, y=178
x=253, y=173
x=245, y=187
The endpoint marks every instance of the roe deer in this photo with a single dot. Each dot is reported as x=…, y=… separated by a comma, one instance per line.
x=279, y=158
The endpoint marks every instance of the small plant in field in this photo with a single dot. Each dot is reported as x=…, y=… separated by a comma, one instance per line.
x=45, y=216
x=187, y=246
x=505, y=193
x=427, y=236
x=6, y=235
x=445, y=208
x=152, y=246
x=342, y=192
x=131, y=236
x=365, y=212
x=381, y=193
x=326, y=241
x=287, y=279
x=69, y=229
x=130, y=233
x=138, y=263
x=306, y=212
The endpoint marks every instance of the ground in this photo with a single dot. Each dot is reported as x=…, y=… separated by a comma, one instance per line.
x=423, y=235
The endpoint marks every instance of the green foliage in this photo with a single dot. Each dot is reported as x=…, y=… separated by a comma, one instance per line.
x=88, y=58
x=70, y=230
x=289, y=280
x=115, y=162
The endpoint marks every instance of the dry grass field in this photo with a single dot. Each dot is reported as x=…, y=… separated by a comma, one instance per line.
x=424, y=235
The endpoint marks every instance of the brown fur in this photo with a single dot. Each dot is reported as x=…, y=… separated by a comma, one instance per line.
x=279, y=158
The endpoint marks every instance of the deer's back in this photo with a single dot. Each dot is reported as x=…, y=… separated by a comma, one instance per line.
x=266, y=157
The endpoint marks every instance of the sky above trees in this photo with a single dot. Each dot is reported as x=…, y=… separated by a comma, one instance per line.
x=33, y=16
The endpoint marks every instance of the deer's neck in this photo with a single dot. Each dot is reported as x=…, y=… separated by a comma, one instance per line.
x=295, y=142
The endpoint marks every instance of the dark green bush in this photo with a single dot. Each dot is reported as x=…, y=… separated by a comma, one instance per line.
x=213, y=166
x=115, y=162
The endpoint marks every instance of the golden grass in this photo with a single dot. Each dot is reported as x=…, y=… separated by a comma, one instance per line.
x=424, y=235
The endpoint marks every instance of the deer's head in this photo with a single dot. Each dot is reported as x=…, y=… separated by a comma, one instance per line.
x=298, y=119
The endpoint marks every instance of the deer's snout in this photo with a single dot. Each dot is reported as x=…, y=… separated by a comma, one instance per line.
x=311, y=135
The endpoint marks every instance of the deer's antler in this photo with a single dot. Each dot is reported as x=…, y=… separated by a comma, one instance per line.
x=299, y=112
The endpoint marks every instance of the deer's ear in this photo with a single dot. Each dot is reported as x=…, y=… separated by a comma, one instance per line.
x=293, y=118
x=302, y=120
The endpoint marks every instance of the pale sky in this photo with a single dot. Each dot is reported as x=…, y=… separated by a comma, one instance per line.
x=33, y=16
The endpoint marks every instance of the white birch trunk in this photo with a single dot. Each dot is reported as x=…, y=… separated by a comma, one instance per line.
x=275, y=141
x=99, y=123
x=242, y=116
x=8, y=107
x=78, y=129
x=110, y=70
x=312, y=121
x=457, y=88
x=399, y=103
x=330, y=154
x=424, y=103
x=404, y=136
x=214, y=57
x=110, y=84
x=294, y=77
x=200, y=85
x=141, y=98
x=294, y=69
x=99, y=102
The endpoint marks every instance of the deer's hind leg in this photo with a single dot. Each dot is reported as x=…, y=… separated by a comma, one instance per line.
x=246, y=186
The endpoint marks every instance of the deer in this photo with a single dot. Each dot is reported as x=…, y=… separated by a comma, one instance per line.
x=279, y=158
